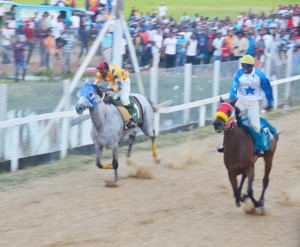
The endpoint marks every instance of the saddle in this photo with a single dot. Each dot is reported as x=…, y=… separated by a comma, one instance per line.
x=267, y=133
x=133, y=110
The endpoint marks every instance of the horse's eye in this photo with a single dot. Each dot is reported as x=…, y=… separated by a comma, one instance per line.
x=91, y=95
x=229, y=113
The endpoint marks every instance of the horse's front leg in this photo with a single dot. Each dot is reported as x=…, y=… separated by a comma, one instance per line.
x=233, y=181
x=250, y=175
x=242, y=197
x=99, y=151
x=115, y=162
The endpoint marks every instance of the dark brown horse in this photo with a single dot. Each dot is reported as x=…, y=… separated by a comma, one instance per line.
x=239, y=155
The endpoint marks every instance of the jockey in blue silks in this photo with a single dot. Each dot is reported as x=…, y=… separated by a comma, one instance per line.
x=250, y=85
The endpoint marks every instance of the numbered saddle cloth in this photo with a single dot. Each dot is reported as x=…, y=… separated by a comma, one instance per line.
x=263, y=139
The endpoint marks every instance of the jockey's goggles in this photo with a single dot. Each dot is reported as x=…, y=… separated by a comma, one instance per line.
x=247, y=66
x=100, y=68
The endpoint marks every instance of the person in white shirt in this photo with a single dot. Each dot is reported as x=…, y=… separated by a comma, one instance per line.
x=162, y=10
x=217, y=45
x=156, y=41
x=75, y=23
x=6, y=34
x=169, y=44
x=191, y=50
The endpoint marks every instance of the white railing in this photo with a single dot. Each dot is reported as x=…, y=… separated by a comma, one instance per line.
x=15, y=124
x=203, y=103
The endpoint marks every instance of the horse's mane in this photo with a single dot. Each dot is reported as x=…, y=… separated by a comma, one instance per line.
x=237, y=116
x=98, y=90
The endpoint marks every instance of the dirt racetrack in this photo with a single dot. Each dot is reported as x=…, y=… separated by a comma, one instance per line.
x=188, y=202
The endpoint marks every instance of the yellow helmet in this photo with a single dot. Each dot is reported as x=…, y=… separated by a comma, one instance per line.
x=247, y=59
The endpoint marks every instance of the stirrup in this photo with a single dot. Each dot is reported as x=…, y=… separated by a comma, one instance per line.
x=220, y=149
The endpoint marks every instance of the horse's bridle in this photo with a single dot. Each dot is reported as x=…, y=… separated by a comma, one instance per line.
x=227, y=113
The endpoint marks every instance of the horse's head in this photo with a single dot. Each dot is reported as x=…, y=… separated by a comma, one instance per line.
x=225, y=117
x=89, y=96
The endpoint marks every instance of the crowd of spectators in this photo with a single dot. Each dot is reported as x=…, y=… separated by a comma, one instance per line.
x=159, y=39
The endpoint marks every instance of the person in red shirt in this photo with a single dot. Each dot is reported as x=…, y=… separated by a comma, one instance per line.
x=28, y=31
x=226, y=51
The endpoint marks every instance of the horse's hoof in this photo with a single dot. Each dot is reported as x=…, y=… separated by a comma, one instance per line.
x=110, y=184
x=261, y=210
x=238, y=204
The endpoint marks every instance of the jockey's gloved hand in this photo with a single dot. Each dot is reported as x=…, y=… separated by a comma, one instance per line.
x=108, y=100
x=269, y=108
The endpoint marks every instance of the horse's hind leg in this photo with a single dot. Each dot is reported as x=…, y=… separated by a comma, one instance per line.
x=250, y=175
x=131, y=141
x=268, y=167
x=154, y=150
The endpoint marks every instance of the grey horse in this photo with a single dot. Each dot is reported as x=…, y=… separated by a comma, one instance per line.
x=108, y=125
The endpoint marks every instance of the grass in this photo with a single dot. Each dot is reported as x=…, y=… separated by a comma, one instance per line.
x=77, y=163
x=209, y=8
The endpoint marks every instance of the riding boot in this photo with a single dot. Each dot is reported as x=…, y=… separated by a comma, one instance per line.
x=259, y=144
x=131, y=124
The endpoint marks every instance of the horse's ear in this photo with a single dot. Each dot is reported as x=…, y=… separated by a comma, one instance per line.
x=221, y=100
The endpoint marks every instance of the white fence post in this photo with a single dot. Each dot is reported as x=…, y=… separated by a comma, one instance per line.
x=202, y=114
x=14, y=162
x=3, y=114
x=187, y=90
x=65, y=122
x=288, y=73
x=153, y=85
x=216, y=83
x=156, y=123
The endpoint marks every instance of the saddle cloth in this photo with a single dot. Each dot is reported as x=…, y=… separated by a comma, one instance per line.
x=267, y=133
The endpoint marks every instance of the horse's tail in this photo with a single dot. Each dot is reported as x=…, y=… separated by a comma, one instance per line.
x=277, y=135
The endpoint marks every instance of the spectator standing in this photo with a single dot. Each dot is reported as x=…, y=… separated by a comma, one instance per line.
x=203, y=45
x=191, y=50
x=75, y=23
x=217, y=46
x=157, y=40
x=84, y=40
x=226, y=55
x=251, y=41
x=181, y=50
x=138, y=43
x=170, y=43
x=162, y=10
x=29, y=32
x=19, y=49
x=68, y=50
x=240, y=46
x=51, y=49
x=6, y=44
